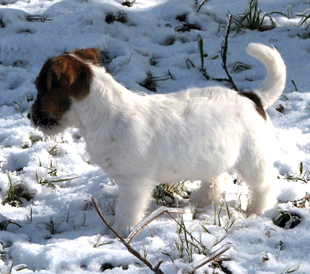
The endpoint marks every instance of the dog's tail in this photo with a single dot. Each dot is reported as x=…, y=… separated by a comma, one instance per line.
x=273, y=85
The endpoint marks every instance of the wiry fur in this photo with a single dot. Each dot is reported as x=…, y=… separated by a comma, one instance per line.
x=197, y=134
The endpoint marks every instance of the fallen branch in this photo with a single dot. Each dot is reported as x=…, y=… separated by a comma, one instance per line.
x=155, y=214
x=155, y=269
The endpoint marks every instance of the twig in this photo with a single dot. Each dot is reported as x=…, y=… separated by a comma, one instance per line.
x=213, y=256
x=155, y=214
x=203, y=2
x=224, y=47
x=155, y=269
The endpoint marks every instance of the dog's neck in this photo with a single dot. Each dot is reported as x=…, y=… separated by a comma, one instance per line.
x=106, y=99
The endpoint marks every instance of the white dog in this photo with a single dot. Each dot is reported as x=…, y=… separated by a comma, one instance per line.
x=140, y=141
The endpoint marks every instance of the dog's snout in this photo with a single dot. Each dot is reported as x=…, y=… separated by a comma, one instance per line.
x=40, y=119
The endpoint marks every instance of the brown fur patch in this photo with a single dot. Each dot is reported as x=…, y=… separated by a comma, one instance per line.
x=62, y=78
x=91, y=55
x=259, y=107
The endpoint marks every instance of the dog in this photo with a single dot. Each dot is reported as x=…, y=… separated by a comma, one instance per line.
x=143, y=140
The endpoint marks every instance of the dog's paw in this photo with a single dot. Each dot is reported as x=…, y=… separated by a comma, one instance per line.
x=121, y=229
x=200, y=199
x=209, y=191
x=251, y=215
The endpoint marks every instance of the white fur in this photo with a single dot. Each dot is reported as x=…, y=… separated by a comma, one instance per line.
x=271, y=88
x=197, y=134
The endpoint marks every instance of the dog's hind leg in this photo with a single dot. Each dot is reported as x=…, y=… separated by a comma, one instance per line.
x=209, y=191
x=133, y=199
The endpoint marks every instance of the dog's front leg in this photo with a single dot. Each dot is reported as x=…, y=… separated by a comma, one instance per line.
x=133, y=199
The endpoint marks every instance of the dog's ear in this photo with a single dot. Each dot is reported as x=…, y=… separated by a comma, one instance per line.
x=56, y=79
x=51, y=75
x=59, y=72
x=91, y=54
x=66, y=74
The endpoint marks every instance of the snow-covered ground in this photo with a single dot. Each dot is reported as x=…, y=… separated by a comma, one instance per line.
x=55, y=229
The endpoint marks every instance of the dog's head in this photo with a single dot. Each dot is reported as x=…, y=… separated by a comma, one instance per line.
x=62, y=79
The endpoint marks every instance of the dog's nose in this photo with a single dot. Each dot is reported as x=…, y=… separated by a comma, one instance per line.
x=28, y=116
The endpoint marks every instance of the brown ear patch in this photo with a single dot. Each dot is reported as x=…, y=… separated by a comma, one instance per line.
x=65, y=74
x=91, y=55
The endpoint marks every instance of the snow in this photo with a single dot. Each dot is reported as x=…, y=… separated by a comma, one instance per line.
x=58, y=230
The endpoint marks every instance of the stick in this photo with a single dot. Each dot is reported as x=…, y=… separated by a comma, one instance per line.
x=213, y=255
x=155, y=214
x=155, y=269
